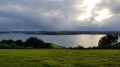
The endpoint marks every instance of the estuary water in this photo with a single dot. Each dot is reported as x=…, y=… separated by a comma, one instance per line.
x=85, y=40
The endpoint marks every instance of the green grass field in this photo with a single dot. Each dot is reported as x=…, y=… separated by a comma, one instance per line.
x=59, y=58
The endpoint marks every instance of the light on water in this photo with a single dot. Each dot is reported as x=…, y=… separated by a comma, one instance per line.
x=62, y=40
x=89, y=40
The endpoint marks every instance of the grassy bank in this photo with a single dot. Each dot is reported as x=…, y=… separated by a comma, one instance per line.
x=59, y=58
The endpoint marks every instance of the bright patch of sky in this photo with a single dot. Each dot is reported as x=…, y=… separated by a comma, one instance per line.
x=60, y=15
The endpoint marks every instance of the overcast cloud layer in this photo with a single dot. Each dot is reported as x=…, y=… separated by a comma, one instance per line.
x=59, y=15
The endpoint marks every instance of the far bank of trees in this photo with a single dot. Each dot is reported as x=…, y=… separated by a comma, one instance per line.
x=30, y=43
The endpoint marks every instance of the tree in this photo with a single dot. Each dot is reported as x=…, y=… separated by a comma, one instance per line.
x=30, y=43
x=10, y=41
x=7, y=41
x=37, y=43
x=19, y=43
x=109, y=39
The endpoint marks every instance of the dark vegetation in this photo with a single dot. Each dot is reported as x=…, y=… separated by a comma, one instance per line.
x=30, y=43
x=61, y=32
x=110, y=41
x=68, y=32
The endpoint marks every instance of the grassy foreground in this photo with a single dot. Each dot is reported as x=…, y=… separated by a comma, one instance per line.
x=59, y=58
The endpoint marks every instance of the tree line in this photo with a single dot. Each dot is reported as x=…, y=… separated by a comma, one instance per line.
x=30, y=43
x=110, y=41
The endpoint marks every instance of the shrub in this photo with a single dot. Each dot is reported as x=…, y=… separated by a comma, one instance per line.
x=5, y=46
x=109, y=39
x=30, y=43
x=78, y=47
x=107, y=47
x=19, y=43
x=30, y=47
x=37, y=43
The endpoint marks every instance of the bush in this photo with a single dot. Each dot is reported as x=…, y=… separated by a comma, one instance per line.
x=5, y=46
x=19, y=43
x=30, y=47
x=110, y=39
x=78, y=47
x=30, y=43
x=37, y=43
x=107, y=47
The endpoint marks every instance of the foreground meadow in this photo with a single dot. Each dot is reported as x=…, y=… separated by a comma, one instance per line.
x=59, y=58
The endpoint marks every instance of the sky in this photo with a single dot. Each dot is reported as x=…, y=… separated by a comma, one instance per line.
x=59, y=15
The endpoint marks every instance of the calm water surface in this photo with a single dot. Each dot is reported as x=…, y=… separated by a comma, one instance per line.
x=62, y=40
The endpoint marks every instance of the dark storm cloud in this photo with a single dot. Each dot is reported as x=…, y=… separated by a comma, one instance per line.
x=25, y=15
x=54, y=15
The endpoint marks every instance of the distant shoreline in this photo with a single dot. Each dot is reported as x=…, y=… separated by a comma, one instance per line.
x=61, y=32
